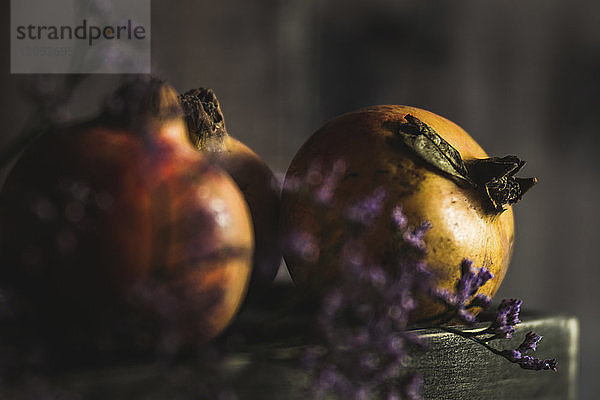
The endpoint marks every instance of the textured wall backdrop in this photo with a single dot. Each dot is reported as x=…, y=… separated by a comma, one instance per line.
x=521, y=77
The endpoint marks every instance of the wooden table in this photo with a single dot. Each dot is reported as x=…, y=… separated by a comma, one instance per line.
x=453, y=368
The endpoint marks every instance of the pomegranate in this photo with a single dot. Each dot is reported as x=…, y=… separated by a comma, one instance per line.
x=116, y=234
x=408, y=157
x=206, y=127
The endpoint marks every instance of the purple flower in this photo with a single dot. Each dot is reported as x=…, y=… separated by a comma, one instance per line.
x=536, y=364
x=303, y=245
x=464, y=315
x=471, y=279
x=412, y=237
x=415, y=236
x=503, y=327
x=319, y=185
x=367, y=210
x=482, y=277
x=530, y=342
x=412, y=387
x=399, y=218
x=512, y=355
x=332, y=303
x=363, y=320
x=506, y=318
x=377, y=276
x=528, y=362
x=326, y=190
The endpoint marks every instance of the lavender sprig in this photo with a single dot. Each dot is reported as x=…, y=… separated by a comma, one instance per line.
x=364, y=320
x=464, y=296
x=507, y=317
x=536, y=364
x=530, y=342
x=503, y=327
x=367, y=210
x=518, y=355
x=413, y=237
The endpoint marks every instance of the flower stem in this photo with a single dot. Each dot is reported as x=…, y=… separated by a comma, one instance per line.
x=474, y=337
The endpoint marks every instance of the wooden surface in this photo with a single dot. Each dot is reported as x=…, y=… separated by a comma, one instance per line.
x=457, y=368
x=453, y=368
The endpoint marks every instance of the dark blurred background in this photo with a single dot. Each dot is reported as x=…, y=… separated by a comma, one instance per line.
x=522, y=77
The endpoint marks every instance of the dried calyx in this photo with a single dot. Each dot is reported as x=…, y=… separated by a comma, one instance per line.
x=493, y=177
x=206, y=125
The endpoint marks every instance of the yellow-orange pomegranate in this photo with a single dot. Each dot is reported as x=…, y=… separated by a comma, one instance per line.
x=368, y=150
